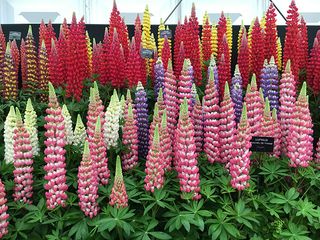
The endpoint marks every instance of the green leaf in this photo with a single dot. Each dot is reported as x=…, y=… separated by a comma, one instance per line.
x=160, y=235
x=295, y=232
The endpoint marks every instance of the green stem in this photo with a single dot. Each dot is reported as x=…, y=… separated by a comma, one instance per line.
x=119, y=233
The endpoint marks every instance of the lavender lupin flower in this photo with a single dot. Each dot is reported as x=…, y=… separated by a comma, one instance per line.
x=194, y=94
x=141, y=106
x=190, y=70
x=159, y=77
x=270, y=83
x=213, y=66
x=236, y=93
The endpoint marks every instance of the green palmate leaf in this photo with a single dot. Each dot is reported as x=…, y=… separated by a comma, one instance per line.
x=160, y=235
x=287, y=200
x=80, y=230
x=273, y=171
x=307, y=209
x=295, y=232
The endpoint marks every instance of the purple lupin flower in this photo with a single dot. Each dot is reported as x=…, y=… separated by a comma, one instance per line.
x=270, y=83
x=213, y=66
x=158, y=77
x=194, y=94
x=236, y=93
x=141, y=106
x=190, y=70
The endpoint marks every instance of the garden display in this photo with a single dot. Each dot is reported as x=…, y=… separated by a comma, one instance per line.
x=100, y=141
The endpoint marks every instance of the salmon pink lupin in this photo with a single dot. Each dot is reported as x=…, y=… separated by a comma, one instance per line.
x=300, y=146
x=23, y=160
x=55, y=142
x=185, y=154
x=118, y=196
x=88, y=184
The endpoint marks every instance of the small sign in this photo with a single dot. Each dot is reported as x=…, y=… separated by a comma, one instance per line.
x=167, y=33
x=14, y=35
x=262, y=144
x=146, y=53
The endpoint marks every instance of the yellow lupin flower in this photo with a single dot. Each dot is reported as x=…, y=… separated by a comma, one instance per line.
x=229, y=34
x=160, y=40
x=10, y=79
x=250, y=34
x=214, y=39
x=169, y=39
x=240, y=35
x=205, y=17
x=146, y=28
x=89, y=51
x=279, y=52
x=263, y=22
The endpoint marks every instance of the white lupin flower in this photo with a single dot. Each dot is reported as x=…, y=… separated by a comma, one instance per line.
x=9, y=126
x=67, y=124
x=111, y=124
x=79, y=134
x=30, y=121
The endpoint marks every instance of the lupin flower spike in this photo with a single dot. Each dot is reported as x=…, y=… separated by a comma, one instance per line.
x=79, y=134
x=9, y=126
x=67, y=124
x=30, y=121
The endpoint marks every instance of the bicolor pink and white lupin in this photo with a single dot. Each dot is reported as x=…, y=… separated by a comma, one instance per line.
x=118, y=196
x=55, y=142
x=88, y=184
x=267, y=124
x=130, y=139
x=3, y=211
x=277, y=134
x=240, y=162
x=254, y=106
x=23, y=161
x=95, y=109
x=99, y=154
x=287, y=104
x=227, y=127
x=185, y=85
x=166, y=145
x=171, y=99
x=154, y=165
x=211, y=117
x=300, y=145
x=198, y=119
x=185, y=154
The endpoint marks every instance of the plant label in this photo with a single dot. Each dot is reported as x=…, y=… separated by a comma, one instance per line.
x=14, y=35
x=262, y=144
x=167, y=33
x=146, y=53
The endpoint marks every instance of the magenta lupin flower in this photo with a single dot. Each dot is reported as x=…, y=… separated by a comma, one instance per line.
x=55, y=142
x=3, y=211
x=185, y=154
x=23, y=160
x=277, y=134
x=99, y=154
x=118, y=196
x=170, y=99
x=287, y=103
x=211, y=117
x=300, y=146
x=154, y=165
x=166, y=145
x=240, y=162
x=130, y=139
x=185, y=85
x=227, y=127
x=88, y=184
x=95, y=109
x=254, y=106
x=198, y=119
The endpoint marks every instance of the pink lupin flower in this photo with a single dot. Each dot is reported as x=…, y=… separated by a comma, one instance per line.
x=126, y=105
x=287, y=102
x=130, y=139
x=23, y=160
x=300, y=138
x=198, y=119
x=317, y=156
x=3, y=211
x=55, y=167
x=95, y=109
x=254, y=106
x=185, y=84
x=156, y=120
x=166, y=145
x=161, y=103
x=99, y=154
x=227, y=127
x=154, y=164
x=170, y=99
x=88, y=184
x=277, y=134
x=185, y=154
x=118, y=196
x=240, y=162
x=211, y=120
